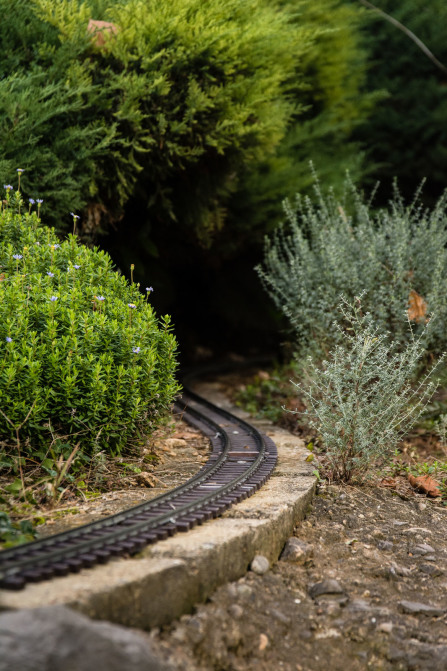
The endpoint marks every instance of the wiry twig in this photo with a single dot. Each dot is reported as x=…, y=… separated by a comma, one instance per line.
x=407, y=32
x=17, y=430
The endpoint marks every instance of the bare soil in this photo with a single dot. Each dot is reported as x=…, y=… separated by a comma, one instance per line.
x=371, y=593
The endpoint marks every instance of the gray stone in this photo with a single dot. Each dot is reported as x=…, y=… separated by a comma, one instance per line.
x=260, y=565
x=430, y=569
x=359, y=605
x=196, y=629
x=396, y=570
x=236, y=611
x=329, y=586
x=416, y=608
x=421, y=549
x=385, y=545
x=56, y=638
x=418, y=655
x=244, y=590
x=297, y=551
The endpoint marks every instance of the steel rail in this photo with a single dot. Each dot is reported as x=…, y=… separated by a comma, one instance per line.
x=229, y=475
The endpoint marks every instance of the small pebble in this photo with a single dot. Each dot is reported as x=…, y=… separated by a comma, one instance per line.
x=416, y=608
x=260, y=565
x=385, y=545
x=297, y=551
x=263, y=642
x=329, y=586
x=421, y=549
x=236, y=611
x=244, y=590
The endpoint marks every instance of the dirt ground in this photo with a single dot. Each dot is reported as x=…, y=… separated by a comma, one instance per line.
x=367, y=591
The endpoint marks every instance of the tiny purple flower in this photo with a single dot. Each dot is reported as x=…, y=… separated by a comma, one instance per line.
x=75, y=216
x=136, y=350
x=100, y=298
x=17, y=257
x=8, y=187
x=132, y=305
x=149, y=289
x=32, y=201
x=76, y=266
x=8, y=339
x=53, y=299
x=50, y=274
x=20, y=170
x=39, y=200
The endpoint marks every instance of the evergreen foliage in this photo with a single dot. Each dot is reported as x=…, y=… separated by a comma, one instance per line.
x=406, y=136
x=334, y=246
x=184, y=105
x=82, y=354
x=174, y=102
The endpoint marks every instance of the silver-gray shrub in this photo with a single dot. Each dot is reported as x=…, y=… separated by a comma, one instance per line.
x=361, y=400
x=330, y=246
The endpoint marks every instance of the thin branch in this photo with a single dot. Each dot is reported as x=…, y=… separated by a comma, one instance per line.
x=407, y=32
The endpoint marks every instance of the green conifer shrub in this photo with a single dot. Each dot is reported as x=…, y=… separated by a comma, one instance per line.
x=185, y=106
x=179, y=98
x=82, y=354
x=333, y=246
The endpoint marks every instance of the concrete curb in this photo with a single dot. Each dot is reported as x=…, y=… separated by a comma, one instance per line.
x=167, y=579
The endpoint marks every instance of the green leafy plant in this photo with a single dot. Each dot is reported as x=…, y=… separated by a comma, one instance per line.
x=83, y=357
x=13, y=534
x=361, y=400
x=396, y=256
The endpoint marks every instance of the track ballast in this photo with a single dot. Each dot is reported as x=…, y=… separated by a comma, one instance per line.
x=241, y=461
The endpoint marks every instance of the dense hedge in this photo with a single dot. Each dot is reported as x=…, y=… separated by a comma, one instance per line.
x=184, y=106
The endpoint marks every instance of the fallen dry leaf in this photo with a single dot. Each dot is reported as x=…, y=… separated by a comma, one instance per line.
x=425, y=484
x=417, y=307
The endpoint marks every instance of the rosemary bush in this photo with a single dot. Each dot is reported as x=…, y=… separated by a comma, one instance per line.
x=333, y=247
x=82, y=353
x=361, y=399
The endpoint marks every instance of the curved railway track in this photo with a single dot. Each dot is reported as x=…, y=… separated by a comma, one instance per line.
x=241, y=461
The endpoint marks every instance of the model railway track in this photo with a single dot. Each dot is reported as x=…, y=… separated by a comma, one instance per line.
x=241, y=461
